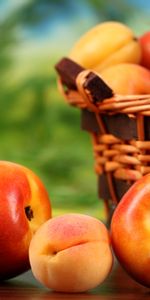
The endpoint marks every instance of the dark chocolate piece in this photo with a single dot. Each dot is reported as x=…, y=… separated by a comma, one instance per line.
x=120, y=186
x=68, y=70
x=103, y=190
x=147, y=127
x=119, y=125
x=99, y=90
x=88, y=121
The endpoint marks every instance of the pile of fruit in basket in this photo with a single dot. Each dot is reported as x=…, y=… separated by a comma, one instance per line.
x=107, y=76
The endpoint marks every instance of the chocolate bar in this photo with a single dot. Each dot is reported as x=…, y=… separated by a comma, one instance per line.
x=119, y=125
x=68, y=71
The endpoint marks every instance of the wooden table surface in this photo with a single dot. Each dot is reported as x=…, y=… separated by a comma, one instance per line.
x=117, y=286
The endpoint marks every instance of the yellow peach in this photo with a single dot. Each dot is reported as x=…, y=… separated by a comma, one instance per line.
x=106, y=44
x=71, y=253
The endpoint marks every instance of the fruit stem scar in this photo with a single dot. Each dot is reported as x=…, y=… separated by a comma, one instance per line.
x=29, y=212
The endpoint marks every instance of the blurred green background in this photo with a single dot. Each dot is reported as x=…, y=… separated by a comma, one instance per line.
x=37, y=128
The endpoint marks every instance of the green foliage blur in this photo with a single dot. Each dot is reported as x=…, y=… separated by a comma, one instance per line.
x=37, y=127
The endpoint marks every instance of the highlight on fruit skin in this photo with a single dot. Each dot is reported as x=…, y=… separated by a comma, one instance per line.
x=71, y=253
x=106, y=44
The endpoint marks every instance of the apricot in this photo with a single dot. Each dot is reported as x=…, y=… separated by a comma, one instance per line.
x=106, y=44
x=71, y=253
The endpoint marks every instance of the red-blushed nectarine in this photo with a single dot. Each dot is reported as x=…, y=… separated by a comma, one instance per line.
x=127, y=79
x=130, y=231
x=24, y=206
x=71, y=253
x=144, y=42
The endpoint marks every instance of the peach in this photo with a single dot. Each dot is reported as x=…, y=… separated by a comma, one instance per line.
x=71, y=253
x=24, y=206
x=127, y=79
x=130, y=231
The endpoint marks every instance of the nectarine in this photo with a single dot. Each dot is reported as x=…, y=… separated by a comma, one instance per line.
x=130, y=231
x=24, y=206
x=71, y=253
x=144, y=41
x=127, y=79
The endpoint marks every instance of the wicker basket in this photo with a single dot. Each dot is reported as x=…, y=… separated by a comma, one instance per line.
x=118, y=125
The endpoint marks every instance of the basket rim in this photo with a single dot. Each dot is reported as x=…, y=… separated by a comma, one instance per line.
x=87, y=85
